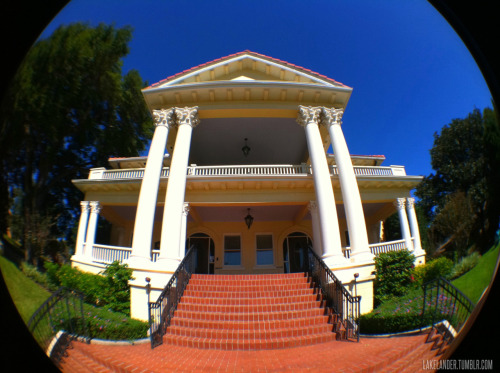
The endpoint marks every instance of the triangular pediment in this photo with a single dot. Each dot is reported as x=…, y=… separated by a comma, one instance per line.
x=247, y=66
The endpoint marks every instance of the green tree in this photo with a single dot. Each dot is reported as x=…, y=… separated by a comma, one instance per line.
x=69, y=108
x=460, y=199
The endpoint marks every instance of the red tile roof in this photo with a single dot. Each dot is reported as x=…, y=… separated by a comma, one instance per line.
x=242, y=53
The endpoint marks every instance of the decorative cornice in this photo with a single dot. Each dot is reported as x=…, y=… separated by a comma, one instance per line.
x=308, y=114
x=331, y=116
x=187, y=115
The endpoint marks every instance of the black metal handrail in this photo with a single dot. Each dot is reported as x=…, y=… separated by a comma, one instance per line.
x=62, y=311
x=443, y=301
x=162, y=311
x=337, y=297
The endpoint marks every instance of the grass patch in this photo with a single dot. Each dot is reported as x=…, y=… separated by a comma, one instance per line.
x=26, y=294
x=474, y=282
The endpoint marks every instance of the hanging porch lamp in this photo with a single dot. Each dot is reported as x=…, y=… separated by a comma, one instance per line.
x=248, y=219
x=246, y=149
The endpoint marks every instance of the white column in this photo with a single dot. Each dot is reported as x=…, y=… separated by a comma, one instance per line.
x=355, y=217
x=95, y=209
x=182, y=237
x=403, y=221
x=82, y=228
x=415, y=232
x=313, y=208
x=187, y=119
x=146, y=206
x=327, y=211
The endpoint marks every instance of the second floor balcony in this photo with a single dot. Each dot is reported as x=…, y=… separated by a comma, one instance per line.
x=229, y=171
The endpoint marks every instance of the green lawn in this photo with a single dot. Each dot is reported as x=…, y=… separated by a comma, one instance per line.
x=26, y=294
x=474, y=282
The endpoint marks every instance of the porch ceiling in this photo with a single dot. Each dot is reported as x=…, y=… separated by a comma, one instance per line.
x=219, y=141
x=231, y=213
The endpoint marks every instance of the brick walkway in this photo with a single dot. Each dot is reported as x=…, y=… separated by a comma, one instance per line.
x=395, y=354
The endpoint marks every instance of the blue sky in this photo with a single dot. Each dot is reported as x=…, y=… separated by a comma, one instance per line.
x=411, y=74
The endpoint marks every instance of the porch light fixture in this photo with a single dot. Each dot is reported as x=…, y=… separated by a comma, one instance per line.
x=246, y=149
x=249, y=219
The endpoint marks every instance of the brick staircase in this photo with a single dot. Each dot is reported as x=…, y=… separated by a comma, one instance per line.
x=250, y=312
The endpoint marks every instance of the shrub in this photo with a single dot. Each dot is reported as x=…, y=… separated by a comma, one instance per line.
x=440, y=267
x=103, y=324
x=37, y=276
x=109, y=289
x=378, y=323
x=393, y=274
x=465, y=265
x=116, y=291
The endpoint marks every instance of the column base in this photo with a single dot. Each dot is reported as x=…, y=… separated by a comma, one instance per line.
x=168, y=264
x=419, y=256
x=362, y=257
x=139, y=262
x=333, y=261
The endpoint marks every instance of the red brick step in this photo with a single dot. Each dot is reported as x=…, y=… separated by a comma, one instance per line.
x=249, y=312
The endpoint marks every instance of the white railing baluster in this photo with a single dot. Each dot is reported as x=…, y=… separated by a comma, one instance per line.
x=250, y=170
x=108, y=254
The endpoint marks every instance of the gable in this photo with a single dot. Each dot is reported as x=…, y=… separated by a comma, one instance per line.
x=247, y=66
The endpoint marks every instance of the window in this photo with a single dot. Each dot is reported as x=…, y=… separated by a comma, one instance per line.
x=264, y=244
x=232, y=250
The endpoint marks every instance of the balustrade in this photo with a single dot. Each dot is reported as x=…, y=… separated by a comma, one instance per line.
x=108, y=254
x=242, y=170
x=378, y=248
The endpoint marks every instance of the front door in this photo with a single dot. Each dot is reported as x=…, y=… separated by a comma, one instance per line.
x=295, y=252
x=203, y=247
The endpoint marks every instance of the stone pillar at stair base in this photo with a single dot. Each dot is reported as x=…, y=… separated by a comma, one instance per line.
x=364, y=283
x=138, y=291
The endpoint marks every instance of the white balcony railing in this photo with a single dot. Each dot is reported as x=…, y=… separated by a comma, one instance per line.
x=378, y=248
x=260, y=170
x=385, y=247
x=108, y=254
x=244, y=170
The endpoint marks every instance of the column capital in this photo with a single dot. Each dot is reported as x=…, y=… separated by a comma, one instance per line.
x=185, y=209
x=95, y=207
x=308, y=114
x=187, y=115
x=410, y=203
x=331, y=116
x=312, y=206
x=400, y=203
x=164, y=117
x=85, y=205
